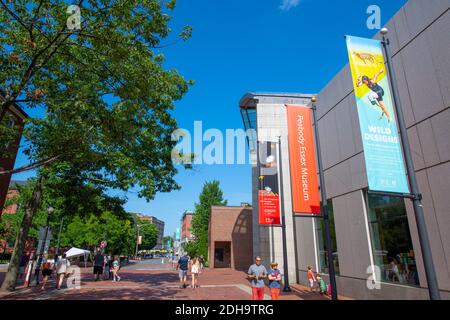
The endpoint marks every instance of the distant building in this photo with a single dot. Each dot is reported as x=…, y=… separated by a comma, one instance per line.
x=13, y=193
x=13, y=117
x=159, y=225
x=186, y=228
x=230, y=234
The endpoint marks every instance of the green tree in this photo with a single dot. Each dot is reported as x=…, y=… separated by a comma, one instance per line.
x=89, y=232
x=211, y=195
x=10, y=223
x=192, y=249
x=90, y=216
x=167, y=239
x=104, y=92
x=149, y=234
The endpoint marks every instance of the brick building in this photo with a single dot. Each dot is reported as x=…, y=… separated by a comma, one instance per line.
x=186, y=228
x=230, y=237
x=13, y=117
x=13, y=193
x=159, y=226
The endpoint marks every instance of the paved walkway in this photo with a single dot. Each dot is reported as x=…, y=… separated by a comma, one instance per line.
x=216, y=284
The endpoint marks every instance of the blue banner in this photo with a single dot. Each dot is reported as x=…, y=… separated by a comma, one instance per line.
x=383, y=155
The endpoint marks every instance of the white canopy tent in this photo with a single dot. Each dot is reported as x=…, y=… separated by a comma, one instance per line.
x=75, y=252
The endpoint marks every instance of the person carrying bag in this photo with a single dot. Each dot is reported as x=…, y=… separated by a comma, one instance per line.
x=62, y=269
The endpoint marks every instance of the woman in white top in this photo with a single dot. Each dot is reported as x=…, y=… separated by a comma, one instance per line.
x=61, y=269
x=195, y=269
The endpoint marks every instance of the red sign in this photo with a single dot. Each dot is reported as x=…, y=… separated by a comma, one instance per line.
x=304, y=184
x=269, y=208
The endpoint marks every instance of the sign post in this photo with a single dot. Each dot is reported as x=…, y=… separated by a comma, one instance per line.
x=430, y=273
x=326, y=218
x=383, y=151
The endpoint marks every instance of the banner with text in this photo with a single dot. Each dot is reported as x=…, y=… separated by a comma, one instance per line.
x=304, y=184
x=382, y=150
x=268, y=195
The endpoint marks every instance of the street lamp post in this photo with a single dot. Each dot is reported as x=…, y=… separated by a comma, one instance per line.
x=324, y=206
x=137, y=242
x=59, y=237
x=42, y=248
x=430, y=273
x=286, y=287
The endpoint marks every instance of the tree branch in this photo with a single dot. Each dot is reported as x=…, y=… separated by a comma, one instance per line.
x=31, y=166
x=15, y=16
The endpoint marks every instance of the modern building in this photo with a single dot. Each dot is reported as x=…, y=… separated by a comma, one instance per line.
x=159, y=226
x=13, y=117
x=369, y=230
x=186, y=228
x=230, y=237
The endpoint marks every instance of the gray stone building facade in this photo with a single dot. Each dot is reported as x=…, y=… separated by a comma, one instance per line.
x=371, y=230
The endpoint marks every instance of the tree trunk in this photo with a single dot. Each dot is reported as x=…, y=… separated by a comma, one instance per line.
x=9, y=284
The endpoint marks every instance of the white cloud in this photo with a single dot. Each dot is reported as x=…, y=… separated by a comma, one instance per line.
x=287, y=5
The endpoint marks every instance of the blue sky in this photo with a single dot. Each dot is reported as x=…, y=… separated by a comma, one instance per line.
x=241, y=46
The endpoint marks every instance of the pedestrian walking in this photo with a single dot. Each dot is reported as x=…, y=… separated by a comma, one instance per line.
x=322, y=284
x=23, y=263
x=257, y=273
x=46, y=272
x=274, y=277
x=106, y=268
x=195, y=270
x=175, y=261
x=98, y=265
x=182, y=268
x=311, y=279
x=111, y=267
x=61, y=270
x=202, y=263
x=116, y=268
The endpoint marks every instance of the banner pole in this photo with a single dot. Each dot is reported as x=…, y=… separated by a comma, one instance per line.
x=324, y=206
x=286, y=288
x=430, y=272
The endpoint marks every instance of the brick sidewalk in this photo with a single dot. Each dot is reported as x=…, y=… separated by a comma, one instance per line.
x=216, y=284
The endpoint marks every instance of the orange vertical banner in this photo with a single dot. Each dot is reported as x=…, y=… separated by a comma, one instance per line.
x=304, y=184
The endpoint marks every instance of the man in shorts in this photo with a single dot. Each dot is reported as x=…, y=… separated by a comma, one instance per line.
x=98, y=265
x=182, y=268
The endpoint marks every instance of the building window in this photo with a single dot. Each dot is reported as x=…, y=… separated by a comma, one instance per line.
x=323, y=257
x=391, y=240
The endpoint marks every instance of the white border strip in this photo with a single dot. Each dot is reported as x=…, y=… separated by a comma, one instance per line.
x=315, y=244
x=369, y=239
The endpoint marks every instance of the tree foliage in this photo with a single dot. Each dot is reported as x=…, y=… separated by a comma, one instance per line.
x=103, y=92
x=211, y=195
x=149, y=234
x=90, y=216
x=88, y=232
x=103, y=88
